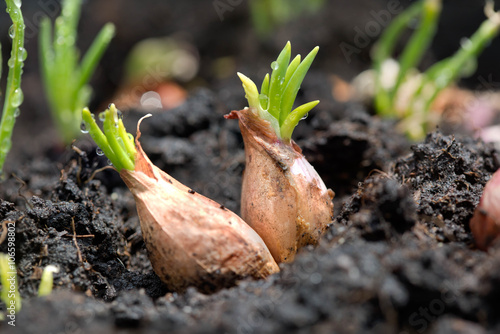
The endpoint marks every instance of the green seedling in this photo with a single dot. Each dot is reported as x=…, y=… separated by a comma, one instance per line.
x=47, y=280
x=267, y=14
x=13, y=93
x=114, y=142
x=277, y=94
x=277, y=175
x=65, y=80
x=8, y=279
x=424, y=87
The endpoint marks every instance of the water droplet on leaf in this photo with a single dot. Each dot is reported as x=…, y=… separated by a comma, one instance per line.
x=305, y=116
x=102, y=116
x=22, y=55
x=17, y=112
x=465, y=43
x=99, y=152
x=6, y=145
x=17, y=98
x=275, y=65
x=12, y=31
x=83, y=127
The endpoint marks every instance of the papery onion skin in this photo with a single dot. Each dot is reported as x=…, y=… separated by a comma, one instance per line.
x=192, y=240
x=485, y=224
x=283, y=198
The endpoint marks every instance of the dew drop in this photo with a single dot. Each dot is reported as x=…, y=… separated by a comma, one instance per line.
x=22, y=55
x=17, y=112
x=17, y=98
x=130, y=136
x=99, y=152
x=465, y=43
x=12, y=31
x=305, y=116
x=120, y=114
x=83, y=127
x=102, y=116
x=6, y=145
x=109, y=163
x=275, y=65
x=17, y=3
x=11, y=63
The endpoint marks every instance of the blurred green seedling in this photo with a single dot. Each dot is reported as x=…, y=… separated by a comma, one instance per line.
x=13, y=93
x=421, y=89
x=65, y=80
x=8, y=281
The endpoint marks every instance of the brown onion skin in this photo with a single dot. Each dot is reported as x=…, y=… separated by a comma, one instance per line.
x=485, y=224
x=192, y=240
x=283, y=198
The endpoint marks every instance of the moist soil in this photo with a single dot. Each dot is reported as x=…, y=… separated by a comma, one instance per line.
x=398, y=257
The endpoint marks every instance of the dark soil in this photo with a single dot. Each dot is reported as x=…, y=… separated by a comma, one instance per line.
x=398, y=258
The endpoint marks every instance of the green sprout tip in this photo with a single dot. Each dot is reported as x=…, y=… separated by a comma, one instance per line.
x=278, y=92
x=115, y=142
x=47, y=280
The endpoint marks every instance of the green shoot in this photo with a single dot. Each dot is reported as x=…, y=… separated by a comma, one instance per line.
x=13, y=94
x=267, y=14
x=8, y=279
x=278, y=92
x=115, y=142
x=66, y=81
x=415, y=118
x=47, y=280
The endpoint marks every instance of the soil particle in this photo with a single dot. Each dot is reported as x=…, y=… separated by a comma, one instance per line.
x=446, y=176
x=349, y=149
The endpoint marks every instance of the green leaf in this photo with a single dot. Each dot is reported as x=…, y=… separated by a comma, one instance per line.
x=252, y=94
x=294, y=117
x=293, y=86
x=264, y=92
x=278, y=81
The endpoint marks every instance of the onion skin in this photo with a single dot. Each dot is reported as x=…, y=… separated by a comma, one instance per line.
x=485, y=224
x=192, y=240
x=283, y=198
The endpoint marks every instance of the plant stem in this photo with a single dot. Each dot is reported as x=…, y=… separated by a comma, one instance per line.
x=65, y=80
x=418, y=44
x=13, y=93
x=115, y=142
x=452, y=67
x=47, y=280
x=383, y=50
